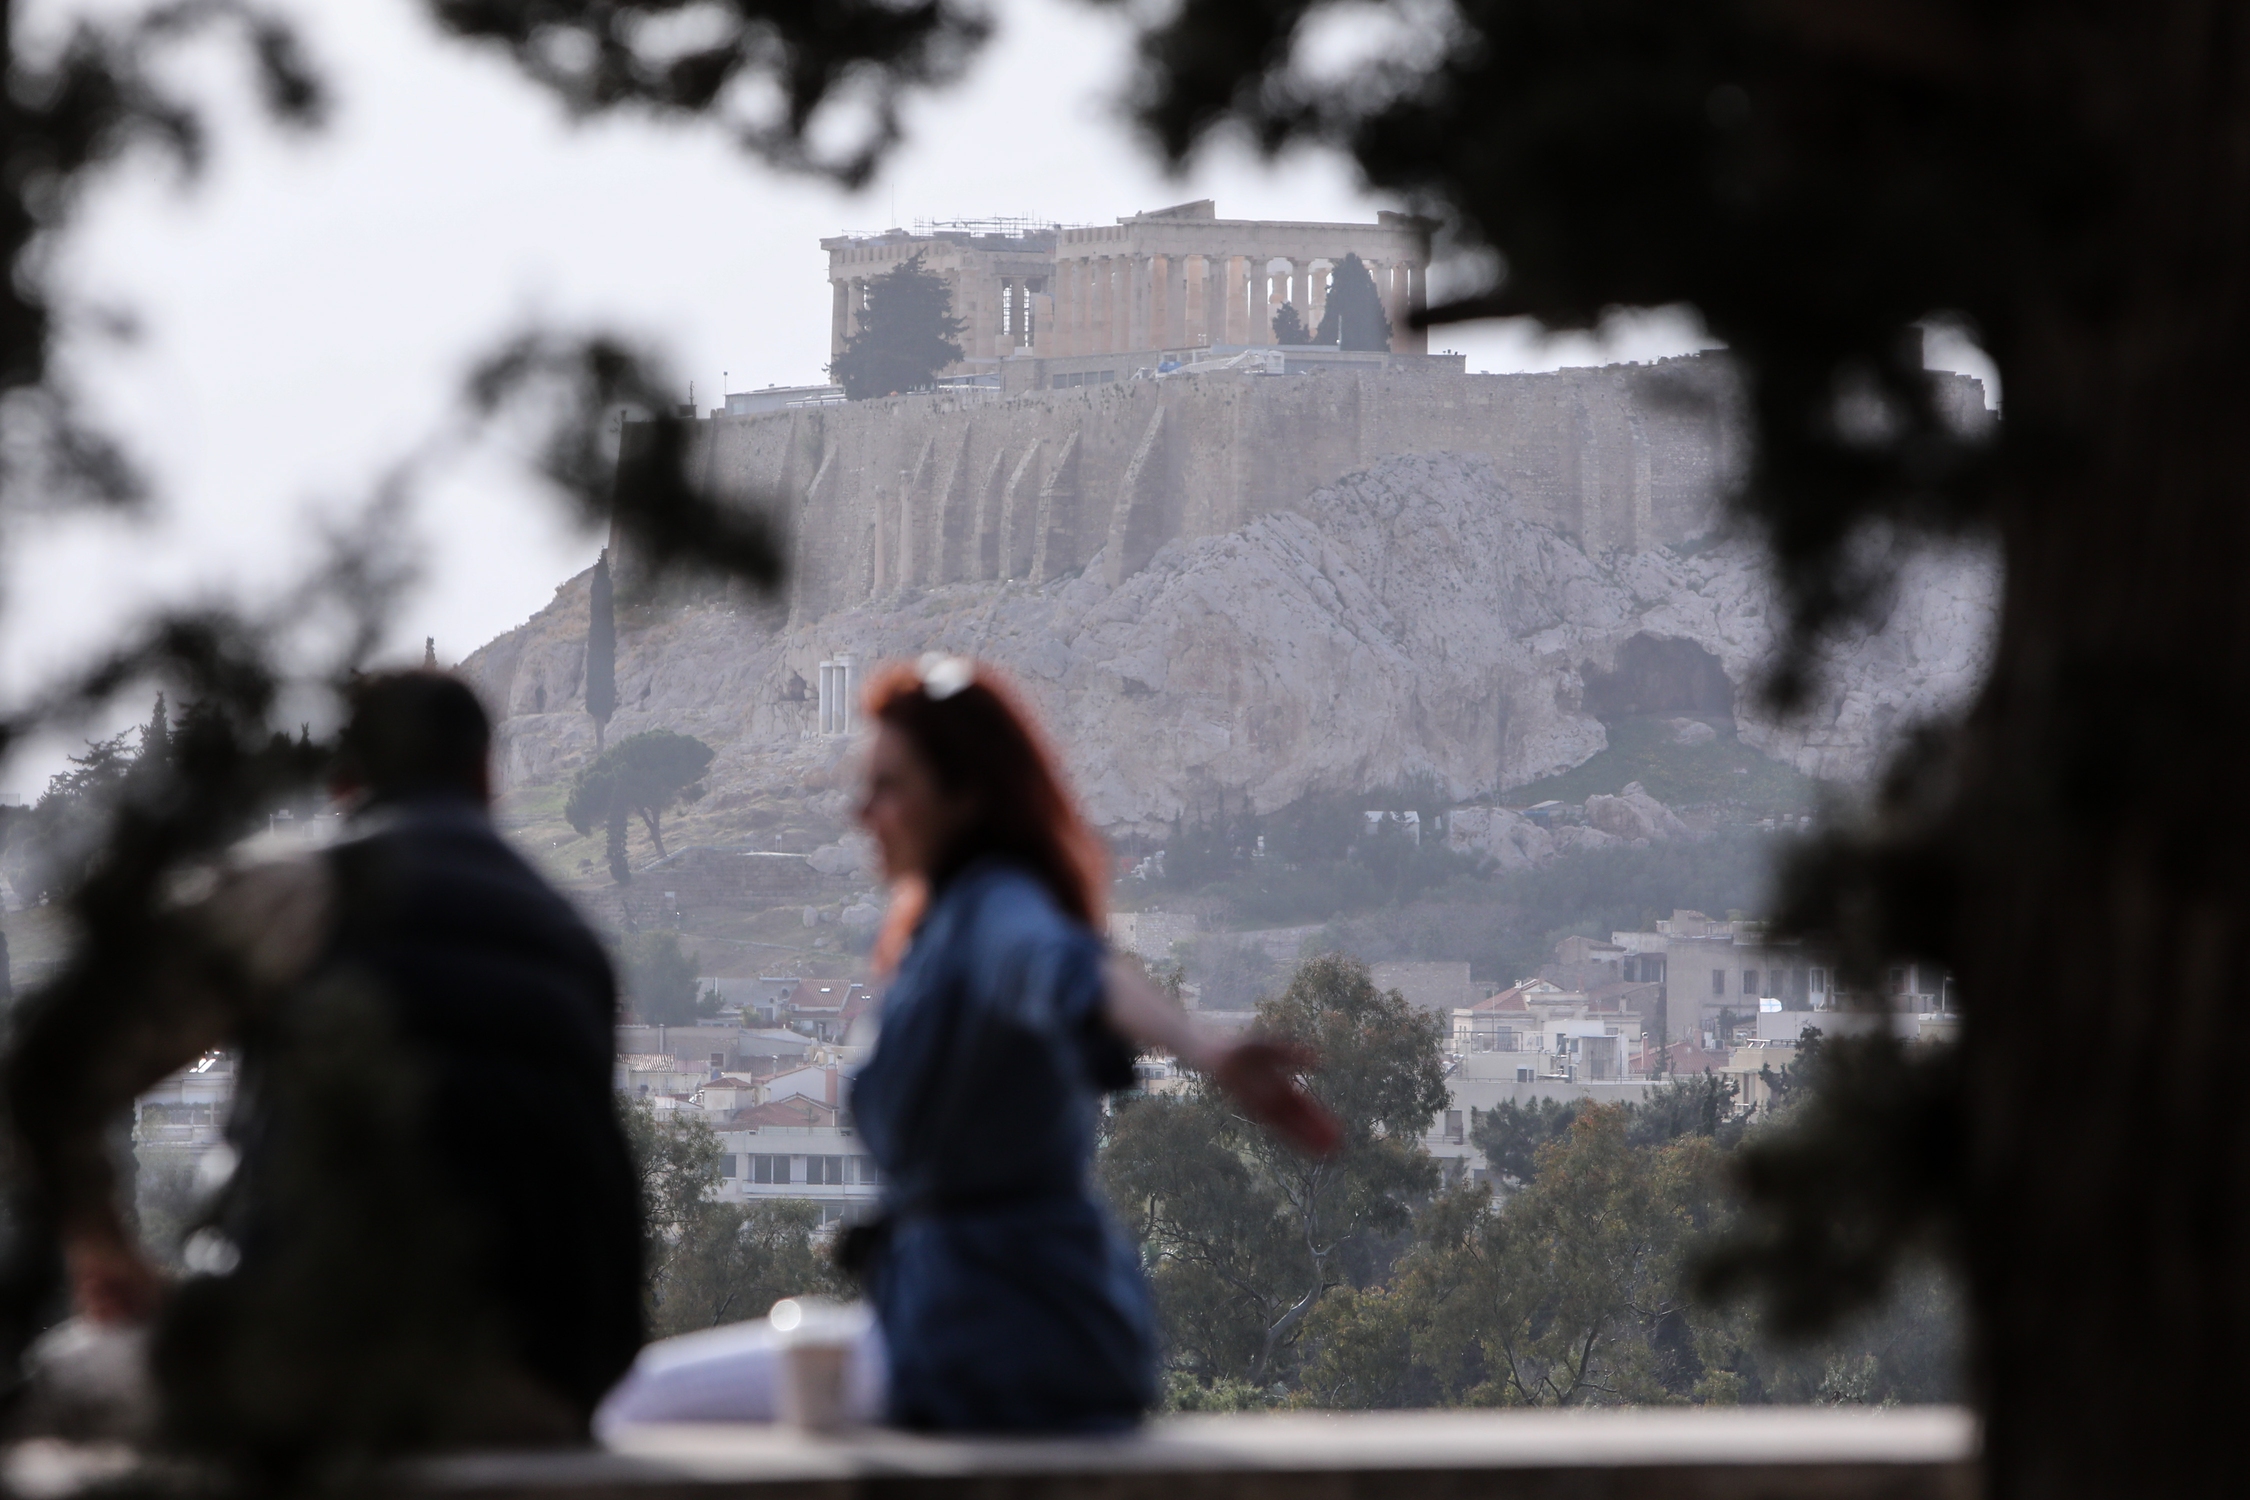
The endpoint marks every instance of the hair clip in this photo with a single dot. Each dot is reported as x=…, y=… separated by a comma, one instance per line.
x=943, y=675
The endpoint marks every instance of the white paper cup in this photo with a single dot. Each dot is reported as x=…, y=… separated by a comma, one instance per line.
x=817, y=1343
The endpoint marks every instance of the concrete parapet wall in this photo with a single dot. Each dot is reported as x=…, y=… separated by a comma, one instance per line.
x=1741, y=1453
x=881, y=497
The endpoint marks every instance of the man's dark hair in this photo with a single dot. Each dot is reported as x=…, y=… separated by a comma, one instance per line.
x=412, y=733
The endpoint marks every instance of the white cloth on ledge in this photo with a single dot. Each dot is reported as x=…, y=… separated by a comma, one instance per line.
x=731, y=1374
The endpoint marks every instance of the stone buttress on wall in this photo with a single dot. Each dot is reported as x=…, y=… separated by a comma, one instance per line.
x=934, y=488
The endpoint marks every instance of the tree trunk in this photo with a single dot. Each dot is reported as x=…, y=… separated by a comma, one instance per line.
x=2103, y=909
x=620, y=865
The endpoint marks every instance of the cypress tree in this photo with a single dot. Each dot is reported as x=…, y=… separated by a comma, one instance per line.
x=601, y=650
x=1289, y=326
x=907, y=334
x=1354, y=317
x=156, y=734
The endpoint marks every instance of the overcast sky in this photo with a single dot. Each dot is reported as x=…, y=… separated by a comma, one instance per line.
x=308, y=307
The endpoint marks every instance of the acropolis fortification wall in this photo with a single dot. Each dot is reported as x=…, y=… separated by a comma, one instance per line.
x=880, y=497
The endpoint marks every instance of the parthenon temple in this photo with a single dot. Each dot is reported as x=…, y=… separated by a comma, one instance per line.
x=1179, y=281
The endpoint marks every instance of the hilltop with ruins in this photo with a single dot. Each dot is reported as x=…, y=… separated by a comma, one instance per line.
x=1229, y=572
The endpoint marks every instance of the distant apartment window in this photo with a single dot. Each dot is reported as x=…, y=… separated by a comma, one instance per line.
x=1898, y=981
x=1797, y=984
x=729, y=1165
x=769, y=1169
x=864, y=1166
x=1453, y=1124
x=1749, y=983
x=1718, y=981
x=1819, y=981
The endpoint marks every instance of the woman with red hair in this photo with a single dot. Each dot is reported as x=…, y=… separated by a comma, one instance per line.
x=1004, y=1298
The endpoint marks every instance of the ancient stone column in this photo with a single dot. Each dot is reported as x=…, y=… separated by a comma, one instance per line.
x=1175, y=300
x=839, y=315
x=1408, y=340
x=1137, y=272
x=1316, y=295
x=1159, y=302
x=1116, y=313
x=1218, y=275
x=1099, y=306
x=1081, y=307
x=1300, y=289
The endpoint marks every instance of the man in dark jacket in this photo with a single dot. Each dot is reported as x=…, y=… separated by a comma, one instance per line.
x=432, y=1236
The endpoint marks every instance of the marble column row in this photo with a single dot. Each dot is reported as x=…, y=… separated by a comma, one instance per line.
x=1107, y=304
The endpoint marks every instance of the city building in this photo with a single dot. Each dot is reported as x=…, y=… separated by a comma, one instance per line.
x=798, y=1148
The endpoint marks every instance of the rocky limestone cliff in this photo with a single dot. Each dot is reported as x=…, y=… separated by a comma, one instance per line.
x=1408, y=619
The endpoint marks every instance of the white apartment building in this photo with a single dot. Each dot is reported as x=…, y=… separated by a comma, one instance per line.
x=1541, y=1031
x=824, y=1163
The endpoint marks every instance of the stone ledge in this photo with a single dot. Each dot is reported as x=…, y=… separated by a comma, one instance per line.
x=1924, y=1453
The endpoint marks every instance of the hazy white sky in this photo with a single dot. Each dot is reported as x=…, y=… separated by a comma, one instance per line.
x=308, y=307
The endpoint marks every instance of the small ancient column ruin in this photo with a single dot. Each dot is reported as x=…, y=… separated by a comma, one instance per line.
x=839, y=694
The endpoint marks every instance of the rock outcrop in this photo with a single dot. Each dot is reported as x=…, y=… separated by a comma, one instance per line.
x=1634, y=814
x=1509, y=839
x=1407, y=620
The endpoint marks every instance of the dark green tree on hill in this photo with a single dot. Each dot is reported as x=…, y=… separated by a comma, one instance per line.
x=906, y=334
x=1289, y=326
x=1354, y=317
x=645, y=774
x=601, y=649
